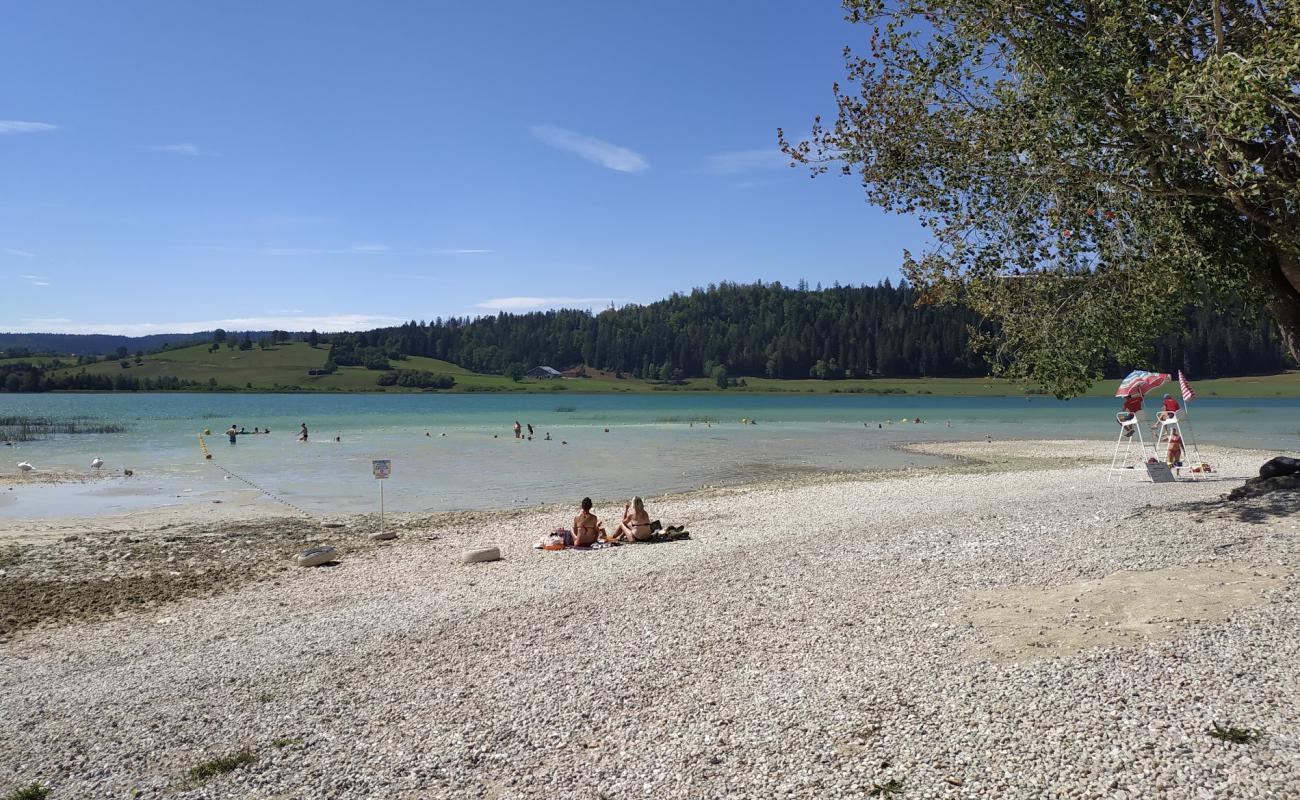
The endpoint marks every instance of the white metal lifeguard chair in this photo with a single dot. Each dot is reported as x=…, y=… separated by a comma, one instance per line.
x=1169, y=426
x=1125, y=458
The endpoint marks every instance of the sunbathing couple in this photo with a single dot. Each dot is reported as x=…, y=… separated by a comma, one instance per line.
x=635, y=526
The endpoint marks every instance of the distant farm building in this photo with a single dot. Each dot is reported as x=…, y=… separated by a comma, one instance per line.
x=543, y=372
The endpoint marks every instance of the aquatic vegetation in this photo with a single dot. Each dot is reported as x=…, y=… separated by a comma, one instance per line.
x=30, y=429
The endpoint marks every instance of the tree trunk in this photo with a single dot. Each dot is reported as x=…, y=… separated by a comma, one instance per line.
x=1286, y=301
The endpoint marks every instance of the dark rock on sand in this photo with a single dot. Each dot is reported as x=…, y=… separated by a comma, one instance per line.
x=1279, y=467
x=1257, y=487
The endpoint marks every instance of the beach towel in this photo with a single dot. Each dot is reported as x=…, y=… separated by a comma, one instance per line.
x=557, y=539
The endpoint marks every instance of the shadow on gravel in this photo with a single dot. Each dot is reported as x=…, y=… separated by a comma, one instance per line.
x=1259, y=500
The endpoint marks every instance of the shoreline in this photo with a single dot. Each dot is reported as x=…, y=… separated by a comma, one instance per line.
x=243, y=506
x=788, y=474
x=1006, y=628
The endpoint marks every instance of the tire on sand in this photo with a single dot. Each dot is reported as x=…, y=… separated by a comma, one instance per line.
x=315, y=556
x=480, y=554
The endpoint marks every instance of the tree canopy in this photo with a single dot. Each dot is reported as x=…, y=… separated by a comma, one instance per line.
x=1086, y=166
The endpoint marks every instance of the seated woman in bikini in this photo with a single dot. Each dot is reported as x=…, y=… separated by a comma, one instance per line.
x=586, y=527
x=636, y=522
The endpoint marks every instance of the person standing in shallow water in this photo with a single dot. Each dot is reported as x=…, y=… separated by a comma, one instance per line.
x=302, y=434
x=518, y=428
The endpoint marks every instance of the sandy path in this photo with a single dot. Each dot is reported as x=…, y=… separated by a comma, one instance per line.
x=812, y=640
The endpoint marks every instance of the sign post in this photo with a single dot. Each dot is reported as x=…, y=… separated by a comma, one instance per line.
x=382, y=469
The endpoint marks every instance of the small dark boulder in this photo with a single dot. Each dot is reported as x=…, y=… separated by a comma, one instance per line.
x=1277, y=467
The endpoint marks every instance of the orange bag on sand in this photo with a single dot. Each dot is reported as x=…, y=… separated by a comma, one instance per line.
x=557, y=546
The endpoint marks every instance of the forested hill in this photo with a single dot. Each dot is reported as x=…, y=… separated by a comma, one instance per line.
x=775, y=331
x=86, y=344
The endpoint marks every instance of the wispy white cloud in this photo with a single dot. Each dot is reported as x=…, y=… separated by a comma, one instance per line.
x=327, y=322
x=359, y=249
x=737, y=162
x=35, y=280
x=180, y=149
x=19, y=126
x=595, y=150
x=14, y=251
x=528, y=303
x=464, y=251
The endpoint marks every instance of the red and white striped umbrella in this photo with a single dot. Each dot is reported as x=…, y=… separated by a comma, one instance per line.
x=1140, y=381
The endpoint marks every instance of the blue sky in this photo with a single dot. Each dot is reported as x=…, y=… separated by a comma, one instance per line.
x=172, y=166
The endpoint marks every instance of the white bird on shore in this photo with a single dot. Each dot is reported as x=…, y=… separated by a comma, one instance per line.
x=25, y=466
x=96, y=462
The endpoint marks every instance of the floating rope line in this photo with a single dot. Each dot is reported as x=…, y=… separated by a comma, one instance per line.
x=208, y=456
x=267, y=492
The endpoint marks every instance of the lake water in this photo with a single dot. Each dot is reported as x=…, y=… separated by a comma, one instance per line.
x=470, y=459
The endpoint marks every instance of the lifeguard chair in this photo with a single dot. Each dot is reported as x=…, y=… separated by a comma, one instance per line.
x=1167, y=427
x=1130, y=435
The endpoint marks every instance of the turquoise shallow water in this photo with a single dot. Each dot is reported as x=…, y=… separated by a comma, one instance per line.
x=655, y=443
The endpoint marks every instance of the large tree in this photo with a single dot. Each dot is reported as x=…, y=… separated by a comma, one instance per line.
x=1086, y=167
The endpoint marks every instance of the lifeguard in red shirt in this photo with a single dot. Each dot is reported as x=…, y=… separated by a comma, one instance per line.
x=1132, y=405
x=1169, y=408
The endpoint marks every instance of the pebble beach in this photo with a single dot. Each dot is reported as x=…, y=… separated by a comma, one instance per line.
x=1011, y=625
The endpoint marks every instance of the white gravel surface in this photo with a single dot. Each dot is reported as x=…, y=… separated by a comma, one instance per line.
x=810, y=640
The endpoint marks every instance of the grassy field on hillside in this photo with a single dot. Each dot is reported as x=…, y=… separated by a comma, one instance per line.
x=285, y=366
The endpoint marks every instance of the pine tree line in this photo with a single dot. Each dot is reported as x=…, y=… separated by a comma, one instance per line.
x=774, y=331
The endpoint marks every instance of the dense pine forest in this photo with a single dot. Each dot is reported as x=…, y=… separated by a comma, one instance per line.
x=775, y=331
